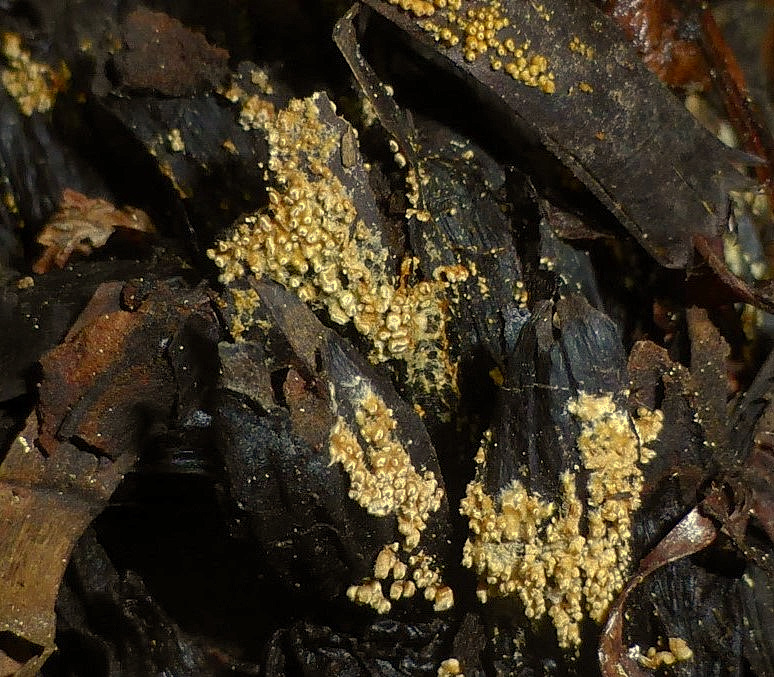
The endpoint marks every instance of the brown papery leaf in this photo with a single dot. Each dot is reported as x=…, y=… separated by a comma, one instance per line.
x=82, y=224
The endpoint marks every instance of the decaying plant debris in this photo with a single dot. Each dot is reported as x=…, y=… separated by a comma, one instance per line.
x=412, y=337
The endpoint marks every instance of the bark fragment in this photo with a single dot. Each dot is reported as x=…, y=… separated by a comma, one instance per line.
x=101, y=388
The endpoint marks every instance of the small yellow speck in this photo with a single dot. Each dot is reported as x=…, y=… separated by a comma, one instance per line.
x=175, y=140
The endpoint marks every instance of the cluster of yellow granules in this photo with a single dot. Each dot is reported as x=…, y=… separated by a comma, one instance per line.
x=525, y=546
x=478, y=29
x=653, y=659
x=579, y=47
x=384, y=481
x=311, y=240
x=32, y=84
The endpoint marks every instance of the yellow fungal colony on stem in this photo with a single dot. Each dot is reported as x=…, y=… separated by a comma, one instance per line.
x=384, y=481
x=481, y=29
x=310, y=240
x=32, y=84
x=524, y=545
x=382, y=477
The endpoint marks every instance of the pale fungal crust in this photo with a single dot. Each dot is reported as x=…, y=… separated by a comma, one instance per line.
x=654, y=659
x=32, y=84
x=480, y=28
x=260, y=79
x=450, y=668
x=383, y=480
x=175, y=139
x=368, y=113
x=525, y=546
x=310, y=240
x=245, y=302
x=579, y=47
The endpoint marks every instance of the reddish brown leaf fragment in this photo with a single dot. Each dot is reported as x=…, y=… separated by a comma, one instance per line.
x=82, y=224
x=308, y=410
x=732, y=287
x=656, y=27
x=742, y=112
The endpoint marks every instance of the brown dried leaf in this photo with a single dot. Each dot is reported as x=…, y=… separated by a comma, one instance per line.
x=695, y=408
x=82, y=224
x=657, y=28
x=710, y=386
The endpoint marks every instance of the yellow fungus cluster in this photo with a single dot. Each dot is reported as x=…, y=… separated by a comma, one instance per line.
x=260, y=79
x=369, y=593
x=382, y=477
x=478, y=28
x=579, y=47
x=175, y=140
x=416, y=177
x=654, y=659
x=234, y=92
x=310, y=240
x=611, y=450
x=648, y=425
x=244, y=301
x=256, y=112
x=384, y=481
x=524, y=545
x=516, y=550
x=450, y=668
x=33, y=85
x=419, y=574
x=427, y=578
